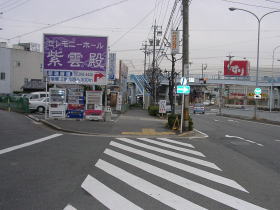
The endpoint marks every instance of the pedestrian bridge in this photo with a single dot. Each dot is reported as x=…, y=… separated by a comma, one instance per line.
x=264, y=81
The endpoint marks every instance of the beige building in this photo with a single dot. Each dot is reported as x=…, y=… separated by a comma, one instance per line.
x=18, y=65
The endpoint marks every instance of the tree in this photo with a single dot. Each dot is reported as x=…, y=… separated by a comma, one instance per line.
x=153, y=78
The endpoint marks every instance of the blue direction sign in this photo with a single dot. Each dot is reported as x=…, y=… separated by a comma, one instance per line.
x=184, y=89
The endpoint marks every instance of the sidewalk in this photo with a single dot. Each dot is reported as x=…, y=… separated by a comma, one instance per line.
x=133, y=122
x=262, y=116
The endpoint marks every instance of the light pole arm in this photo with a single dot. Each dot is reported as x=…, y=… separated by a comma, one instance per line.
x=268, y=14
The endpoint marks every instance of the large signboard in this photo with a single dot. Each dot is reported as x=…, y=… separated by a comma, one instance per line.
x=112, y=66
x=70, y=59
x=236, y=68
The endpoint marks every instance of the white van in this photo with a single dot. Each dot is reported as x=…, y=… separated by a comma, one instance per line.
x=35, y=96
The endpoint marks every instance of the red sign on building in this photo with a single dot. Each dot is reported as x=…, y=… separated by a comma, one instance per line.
x=236, y=68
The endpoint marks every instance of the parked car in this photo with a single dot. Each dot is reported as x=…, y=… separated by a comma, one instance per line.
x=198, y=108
x=39, y=105
x=37, y=96
x=206, y=103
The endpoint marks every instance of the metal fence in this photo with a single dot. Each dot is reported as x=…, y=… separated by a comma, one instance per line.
x=14, y=103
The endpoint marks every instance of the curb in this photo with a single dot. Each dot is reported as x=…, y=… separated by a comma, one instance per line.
x=32, y=117
x=188, y=134
x=261, y=120
x=53, y=126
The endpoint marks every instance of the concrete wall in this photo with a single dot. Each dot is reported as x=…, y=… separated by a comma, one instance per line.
x=25, y=65
x=5, y=67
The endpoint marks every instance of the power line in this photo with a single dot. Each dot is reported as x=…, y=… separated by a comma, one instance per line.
x=14, y=6
x=69, y=19
x=167, y=27
x=165, y=13
x=251, y=5
x=8, y=3
x=147, y=15
x=276, y=2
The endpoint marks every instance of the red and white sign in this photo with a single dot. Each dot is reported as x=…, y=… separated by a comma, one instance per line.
x=236, y=68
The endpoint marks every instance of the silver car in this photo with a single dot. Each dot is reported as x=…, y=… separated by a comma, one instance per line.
x=39, y=105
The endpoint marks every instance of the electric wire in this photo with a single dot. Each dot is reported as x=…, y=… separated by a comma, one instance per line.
x=251, y=5
x=122, y=36
x=70, y=19
x=16, y=6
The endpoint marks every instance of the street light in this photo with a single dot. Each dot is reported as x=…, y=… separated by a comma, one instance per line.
x=272, y=71
x=258, y=50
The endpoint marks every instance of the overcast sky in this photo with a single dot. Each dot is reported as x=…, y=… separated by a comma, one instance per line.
x=215, y=32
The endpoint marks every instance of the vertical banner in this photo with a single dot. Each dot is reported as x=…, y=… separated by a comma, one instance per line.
x=112, y=66
x=174, y=42
x=71, y=59
x=162, y=106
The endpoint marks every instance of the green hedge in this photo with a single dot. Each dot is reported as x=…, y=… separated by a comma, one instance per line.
x=153, y=110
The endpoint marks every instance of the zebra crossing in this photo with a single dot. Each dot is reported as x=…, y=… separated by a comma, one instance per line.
x=149, y=156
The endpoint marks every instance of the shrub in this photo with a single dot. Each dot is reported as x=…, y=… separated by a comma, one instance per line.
x=153, y=110
x=190, y=124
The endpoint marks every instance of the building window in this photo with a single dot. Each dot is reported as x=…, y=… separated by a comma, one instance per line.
x=2, y=76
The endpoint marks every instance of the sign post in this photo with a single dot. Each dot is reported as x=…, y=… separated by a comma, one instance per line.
x=185, y=90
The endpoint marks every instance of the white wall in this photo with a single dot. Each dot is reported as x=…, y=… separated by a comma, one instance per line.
x=25, y=64
x=5, y=58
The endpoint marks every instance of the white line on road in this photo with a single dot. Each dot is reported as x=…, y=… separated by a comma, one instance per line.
x=181, y=166
x=176, y=142
x=193, y=152
x=216, y=120
x=69, y=207
x=250, y=121
x=160, y=194
x=204, y=134
x=173, y=154
x=10, y=149
x=277, y=140
x=106, y=196
x=186, y=183
x=237, y=137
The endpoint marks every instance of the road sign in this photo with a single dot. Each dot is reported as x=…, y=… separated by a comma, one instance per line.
x=162, y=106
x=184, y=89
x=184, y=81
x=258, y=91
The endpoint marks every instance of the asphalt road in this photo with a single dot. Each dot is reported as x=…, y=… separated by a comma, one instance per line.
x=43, y=169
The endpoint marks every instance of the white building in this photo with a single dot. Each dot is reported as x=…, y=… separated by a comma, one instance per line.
x=18, y=65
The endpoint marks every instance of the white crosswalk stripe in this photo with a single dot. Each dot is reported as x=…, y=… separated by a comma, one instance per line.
x=190, y=169
x=101, y=192
x=173, y=154
x=176, y=142
x=148, y=188
x=126, y=153
x=172, y=147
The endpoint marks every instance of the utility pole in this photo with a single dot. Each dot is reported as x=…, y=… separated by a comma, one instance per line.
x=185, y=63
x=153, y=64
x=145, y=63
x=154, y=70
